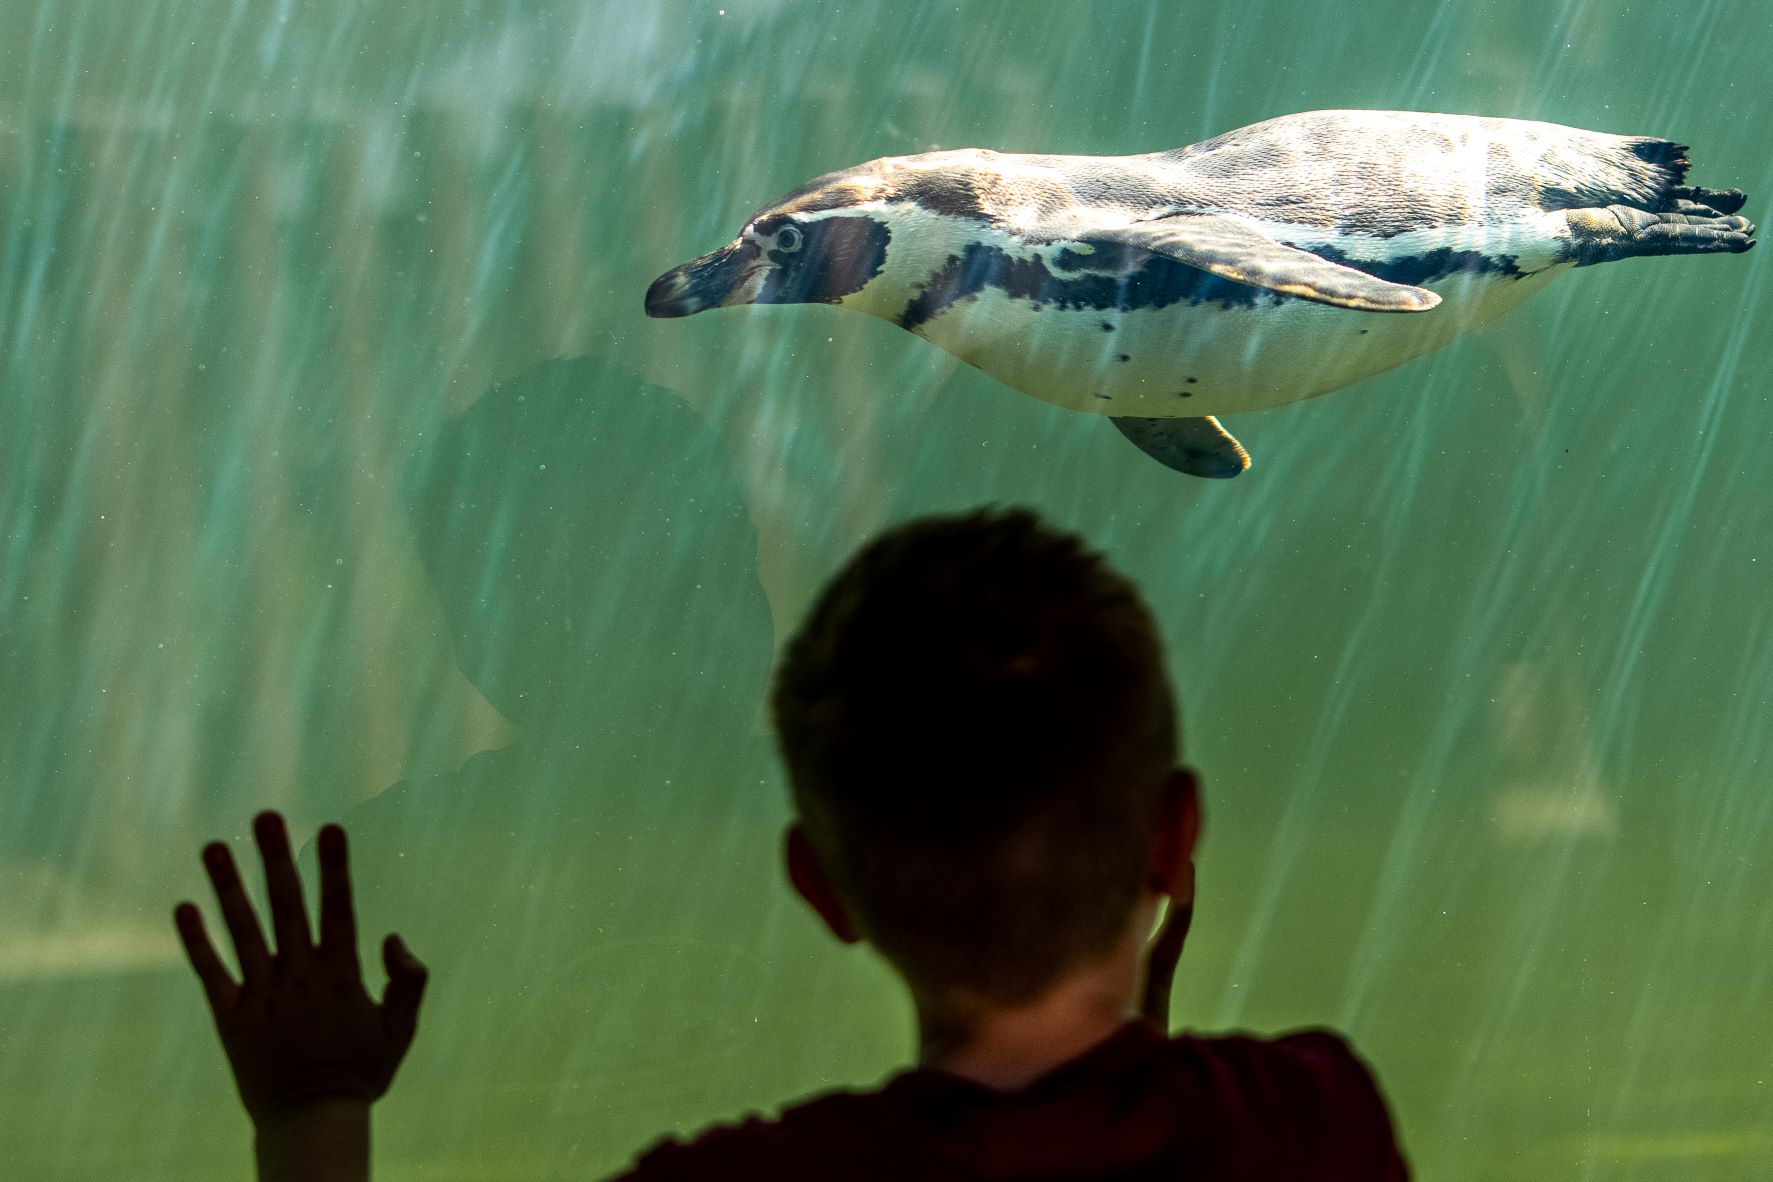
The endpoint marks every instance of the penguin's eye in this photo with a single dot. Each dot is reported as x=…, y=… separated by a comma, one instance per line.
x=789, y=239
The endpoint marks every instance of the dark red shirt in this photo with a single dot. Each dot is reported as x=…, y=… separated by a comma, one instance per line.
x=1301, y=1108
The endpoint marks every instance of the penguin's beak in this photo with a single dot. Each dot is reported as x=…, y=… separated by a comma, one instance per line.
x=734, y=274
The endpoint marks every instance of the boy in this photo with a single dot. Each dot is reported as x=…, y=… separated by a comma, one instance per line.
x=981, y=743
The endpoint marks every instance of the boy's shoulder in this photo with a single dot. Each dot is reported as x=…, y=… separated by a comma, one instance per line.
x=1140, y=1105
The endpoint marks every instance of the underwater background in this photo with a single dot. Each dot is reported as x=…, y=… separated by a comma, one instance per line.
x=341, y=472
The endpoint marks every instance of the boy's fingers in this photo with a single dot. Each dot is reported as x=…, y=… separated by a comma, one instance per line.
x=1167, y=949
x=1160, y=964
x=1166, y=946
x=237, y=913
x=218, y=986
x=406, y=989
x=338, y=921
x=289, y=914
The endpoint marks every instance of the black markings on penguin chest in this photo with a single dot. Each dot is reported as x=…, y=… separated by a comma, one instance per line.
x=1066, y=285
x=1092, y=282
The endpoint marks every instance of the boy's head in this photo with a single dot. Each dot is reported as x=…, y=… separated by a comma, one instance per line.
x=980, y=736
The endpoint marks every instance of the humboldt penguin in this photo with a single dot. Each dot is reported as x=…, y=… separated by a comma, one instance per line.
x=1263, y=266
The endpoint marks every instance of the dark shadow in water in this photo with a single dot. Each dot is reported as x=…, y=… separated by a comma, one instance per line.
x=591, y=895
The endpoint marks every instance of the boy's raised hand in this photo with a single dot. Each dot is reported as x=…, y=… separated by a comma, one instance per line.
x=299, y=1028
x=1164, y=950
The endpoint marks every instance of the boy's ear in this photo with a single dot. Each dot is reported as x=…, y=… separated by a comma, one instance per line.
x=811, y=883
x=1179, y=821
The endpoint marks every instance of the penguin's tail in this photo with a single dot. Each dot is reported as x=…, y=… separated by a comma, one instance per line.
x=1668, y=190
x=1592, y=170
x=1676, y=195
x=1657, y=167
x=1665, y=156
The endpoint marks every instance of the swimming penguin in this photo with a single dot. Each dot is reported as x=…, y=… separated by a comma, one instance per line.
x=1263, y=266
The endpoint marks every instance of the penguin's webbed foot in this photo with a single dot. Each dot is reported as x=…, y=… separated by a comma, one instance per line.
x=1199, y=447
x=1622, y=232
x=1698, y=199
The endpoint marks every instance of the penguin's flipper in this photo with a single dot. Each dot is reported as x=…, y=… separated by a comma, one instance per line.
x=1233, y=249
x=1199, y=447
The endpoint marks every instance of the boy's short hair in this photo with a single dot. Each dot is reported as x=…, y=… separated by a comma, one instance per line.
x=978, y=729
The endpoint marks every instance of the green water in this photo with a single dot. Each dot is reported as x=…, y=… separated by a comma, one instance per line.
x=1476, y=660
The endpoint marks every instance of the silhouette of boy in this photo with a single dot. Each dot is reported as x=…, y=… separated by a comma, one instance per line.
x=592, y=553
x=982, y=746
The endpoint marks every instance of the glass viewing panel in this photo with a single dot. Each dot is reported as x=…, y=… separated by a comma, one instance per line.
x=342, y=471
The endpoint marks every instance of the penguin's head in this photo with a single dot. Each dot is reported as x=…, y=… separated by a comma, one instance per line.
x=818, y=245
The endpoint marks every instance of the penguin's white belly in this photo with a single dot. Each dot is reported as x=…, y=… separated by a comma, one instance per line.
x=1186, y=360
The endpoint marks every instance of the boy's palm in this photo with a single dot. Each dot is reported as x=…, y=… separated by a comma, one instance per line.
x=299, y=1027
